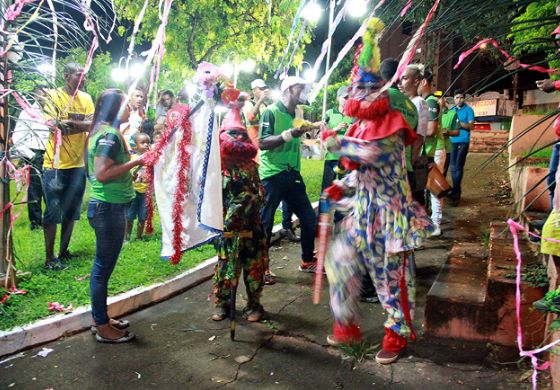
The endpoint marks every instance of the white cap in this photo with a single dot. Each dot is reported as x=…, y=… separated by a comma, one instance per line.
x=291, y=81
x=258, y=83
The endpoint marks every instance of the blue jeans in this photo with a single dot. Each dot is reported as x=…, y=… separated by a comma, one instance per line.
x=552, y=168
x=288, y=186
x=108, y=222
x=459, y=153
x=286, y=217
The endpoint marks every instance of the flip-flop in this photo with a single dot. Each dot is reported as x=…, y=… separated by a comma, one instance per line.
x=121, y=324
x=128, y=336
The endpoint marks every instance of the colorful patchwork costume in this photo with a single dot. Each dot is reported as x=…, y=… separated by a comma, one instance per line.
x=383, y=224
x=243, y=244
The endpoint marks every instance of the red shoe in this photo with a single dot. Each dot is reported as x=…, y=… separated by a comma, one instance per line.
x=393, y=344
x=344, y=334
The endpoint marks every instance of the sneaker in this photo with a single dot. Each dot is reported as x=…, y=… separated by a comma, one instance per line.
x=269, y=279
x=437, y=231
x=55, y=264
x=386, y=357
x=309, y=267
x=290, y=235
x=219, y=314
x=254, y=314
x=333, y=341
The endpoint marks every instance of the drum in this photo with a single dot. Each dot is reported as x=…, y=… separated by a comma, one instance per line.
x=437, y=184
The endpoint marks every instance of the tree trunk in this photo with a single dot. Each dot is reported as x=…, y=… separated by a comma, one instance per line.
x=6, y=251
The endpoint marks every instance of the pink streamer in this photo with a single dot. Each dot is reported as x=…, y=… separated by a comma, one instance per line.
x=15, y=9
x=406, y=7
x=514, y=228
x=509, y=58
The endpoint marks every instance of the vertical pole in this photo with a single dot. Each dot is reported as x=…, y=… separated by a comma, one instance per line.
x=6, y=270
x=328, y=59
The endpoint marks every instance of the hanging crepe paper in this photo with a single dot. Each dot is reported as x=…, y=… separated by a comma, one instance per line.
x=15, y=9
x=292, y=32
x=509, y=58
x=406, y=7
x=342, y=53
x=325, y=46
x=514, y=228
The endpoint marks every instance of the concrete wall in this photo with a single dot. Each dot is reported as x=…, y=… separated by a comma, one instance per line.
x=538, y=136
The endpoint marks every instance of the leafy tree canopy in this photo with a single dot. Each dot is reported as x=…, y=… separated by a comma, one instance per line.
x=219, y=31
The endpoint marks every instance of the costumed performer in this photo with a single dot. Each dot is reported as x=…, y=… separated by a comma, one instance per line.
x=383, y=224
x=242, y=246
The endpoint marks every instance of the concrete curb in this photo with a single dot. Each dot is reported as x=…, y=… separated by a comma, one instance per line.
x=60, y=325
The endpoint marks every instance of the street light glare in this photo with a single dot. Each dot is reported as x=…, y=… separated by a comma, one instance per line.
x=137, y=69
x=357, y=8
x=227, y=69
x=310, y=75
x=119, y=75
x=248, y=66
x=45, y=68
x=312, y=12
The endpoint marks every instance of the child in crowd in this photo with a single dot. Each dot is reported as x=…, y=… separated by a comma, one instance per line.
x=137, y=208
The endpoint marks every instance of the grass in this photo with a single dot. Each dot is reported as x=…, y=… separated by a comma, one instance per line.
x=139, y=263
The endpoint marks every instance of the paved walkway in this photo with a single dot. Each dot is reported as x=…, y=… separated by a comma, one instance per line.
x=179, y=347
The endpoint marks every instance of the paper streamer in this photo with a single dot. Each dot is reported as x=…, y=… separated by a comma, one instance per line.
x=406, y=7
x=514, y=228
x=509, y=58
x=317, y=88
x=15, y=9
x=292, y=32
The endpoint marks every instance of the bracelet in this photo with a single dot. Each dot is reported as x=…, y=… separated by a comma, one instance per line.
x=287, y=135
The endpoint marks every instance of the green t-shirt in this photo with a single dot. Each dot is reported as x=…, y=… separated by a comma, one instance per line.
x=108, y=143
x=400, y=102
x=449, y=121
x=430, y=143
x=335, y=118
x=274, y=120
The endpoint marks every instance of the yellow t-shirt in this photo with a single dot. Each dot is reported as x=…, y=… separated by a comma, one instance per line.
x=551, y=230
x=140, y=181
x=60, y=107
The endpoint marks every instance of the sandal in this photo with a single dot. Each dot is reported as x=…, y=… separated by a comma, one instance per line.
x=118, y=324
x=128, y=336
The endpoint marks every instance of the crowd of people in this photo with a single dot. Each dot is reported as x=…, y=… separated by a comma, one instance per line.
x=378, y=153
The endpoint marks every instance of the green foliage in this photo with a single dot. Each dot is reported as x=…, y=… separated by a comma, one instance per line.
x=216, y=31
x=530, y=31
x=99, y=75
x=534, y=274
x=358, y=352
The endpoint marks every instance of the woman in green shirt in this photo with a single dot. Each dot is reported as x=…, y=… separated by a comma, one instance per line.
x=108, y=164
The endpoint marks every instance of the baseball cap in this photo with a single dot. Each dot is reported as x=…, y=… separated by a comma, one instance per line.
x=258, y=83
x=342, y=91
x=291, y=81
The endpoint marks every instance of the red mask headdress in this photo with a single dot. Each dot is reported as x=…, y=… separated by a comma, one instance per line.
x=235, y=145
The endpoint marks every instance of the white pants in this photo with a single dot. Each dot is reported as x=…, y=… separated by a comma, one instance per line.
x=437, y=204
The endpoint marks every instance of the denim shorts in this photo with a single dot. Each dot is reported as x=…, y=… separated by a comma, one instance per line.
x=64, y=191
x=137, y=208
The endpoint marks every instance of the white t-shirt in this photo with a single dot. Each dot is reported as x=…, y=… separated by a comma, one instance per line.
x=30, y=132
x=423, y=115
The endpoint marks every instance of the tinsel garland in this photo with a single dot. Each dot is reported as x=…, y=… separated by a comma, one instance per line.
x=183, y=123
x=180, y=193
